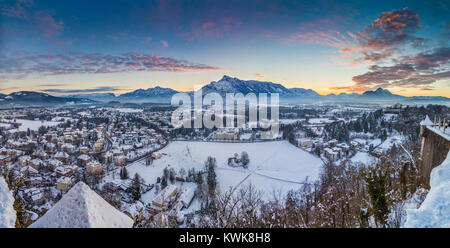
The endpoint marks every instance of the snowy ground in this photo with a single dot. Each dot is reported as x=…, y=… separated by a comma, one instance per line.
x=129, y=110
x=32, y=125
x=7, y=212
x=363, y=158
x=274, y=166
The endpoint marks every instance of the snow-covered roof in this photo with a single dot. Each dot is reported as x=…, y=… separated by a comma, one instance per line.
x=435, y=210
x=426, y=122
x=64, y=180
x=81, y=207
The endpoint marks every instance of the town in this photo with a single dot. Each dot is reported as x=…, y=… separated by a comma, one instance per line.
x=161, y=176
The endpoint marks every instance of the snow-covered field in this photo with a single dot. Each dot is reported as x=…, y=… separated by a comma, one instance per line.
x=274, y=166
x=7, y=212
x=129, y=110
x=33, y=125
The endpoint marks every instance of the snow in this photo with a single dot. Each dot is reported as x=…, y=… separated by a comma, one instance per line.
x=129, y=110
x=81, y=207
x=273, y=165
x=435, y=210
x=363, y=158
x=426, y=122
x=32, y=125
x=7, y=212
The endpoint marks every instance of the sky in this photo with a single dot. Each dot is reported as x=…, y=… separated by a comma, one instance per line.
x=80, y=47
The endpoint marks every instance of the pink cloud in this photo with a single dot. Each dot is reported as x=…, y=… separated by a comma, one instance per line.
x=164, y=43
x=259, y=75
x=47, y=24
x=92, y=63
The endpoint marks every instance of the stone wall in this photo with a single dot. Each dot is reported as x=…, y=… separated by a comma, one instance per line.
x=433, y=151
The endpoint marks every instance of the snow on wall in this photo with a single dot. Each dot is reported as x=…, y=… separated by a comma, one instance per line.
x=7, y=212
x=435, y=210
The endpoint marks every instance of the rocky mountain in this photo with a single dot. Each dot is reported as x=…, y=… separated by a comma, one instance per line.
x=380, y=93
x=234, y=85
x=304, y=92
x=149, y=93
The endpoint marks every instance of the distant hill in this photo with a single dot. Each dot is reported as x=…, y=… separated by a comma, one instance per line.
x=38, y=98
x=95, y=96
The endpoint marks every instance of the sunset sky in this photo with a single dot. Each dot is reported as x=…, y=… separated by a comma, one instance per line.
x=70, y=47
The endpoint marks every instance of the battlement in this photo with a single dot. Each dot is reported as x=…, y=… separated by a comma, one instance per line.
x=435, y=144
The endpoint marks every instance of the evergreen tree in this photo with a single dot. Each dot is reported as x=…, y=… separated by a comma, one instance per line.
x=123, y=173
x=211, y=179
x=136, y=187
x=377, y=191
x=163, y=182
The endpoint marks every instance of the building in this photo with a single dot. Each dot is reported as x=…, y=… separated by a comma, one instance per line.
x=164, y=199
x=84, y=149
x=24, y=160
x=94, y=167
x=119, y=160
x=83, y=160
x=156, y=155
x=304, y=142
x=63, y=183
x=225, y=135
x=331, y=155
x=62, y=156
x=332, y=143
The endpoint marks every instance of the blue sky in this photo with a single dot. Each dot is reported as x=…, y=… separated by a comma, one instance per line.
x=329, y=46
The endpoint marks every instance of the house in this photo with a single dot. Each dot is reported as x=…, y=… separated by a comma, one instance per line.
x=187, y=196
x=33, y=181
x=83, y=159
x=62, y=156
x=345, y=147
x=107, y=157
x=94, y=167
x=304, y=142
x=69, y=148
x=98, y=146
x=40, y=154
x=63, y=171
x=84, y=149
x=24, y=160
x=156, y=155
x=355, y=144
x=38, y=198
x=53, y=163
x=225, y=135
x=331, y=155
x=63, y=183
x=332, y=143
x=119, y=160
x=36, y=163
x=28, y=171
x=36, y=195
x=165, y=197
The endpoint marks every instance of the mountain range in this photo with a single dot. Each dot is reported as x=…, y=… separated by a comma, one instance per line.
x=225, y=85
